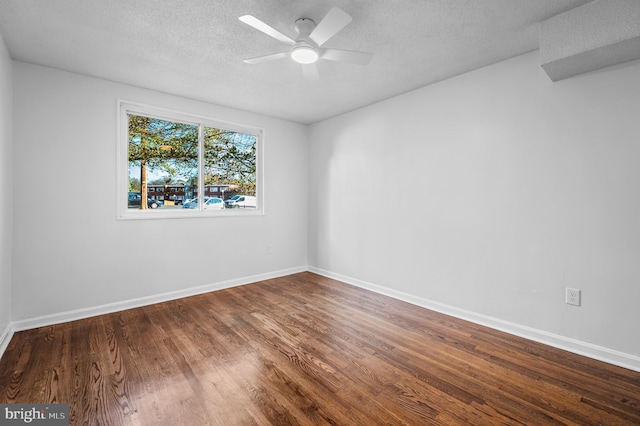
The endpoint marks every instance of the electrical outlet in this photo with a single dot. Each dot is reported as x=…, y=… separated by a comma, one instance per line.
x=269, y=248
x=572, y=296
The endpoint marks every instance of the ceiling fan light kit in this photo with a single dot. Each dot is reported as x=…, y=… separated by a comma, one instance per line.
x=307, y=48
x=304, y=55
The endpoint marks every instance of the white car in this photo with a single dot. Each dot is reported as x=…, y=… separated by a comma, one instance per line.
x=210, y=203
x=241, y=201
x=213, y=203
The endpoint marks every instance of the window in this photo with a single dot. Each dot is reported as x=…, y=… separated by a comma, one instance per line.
x=163, y=150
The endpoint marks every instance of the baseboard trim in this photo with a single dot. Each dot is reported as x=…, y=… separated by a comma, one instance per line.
x=599, y=353
x=589, y=350
x=62, y=317
x=5, y=338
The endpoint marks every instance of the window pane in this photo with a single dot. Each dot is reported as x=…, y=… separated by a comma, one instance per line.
x=163, y=154
x=230, y=163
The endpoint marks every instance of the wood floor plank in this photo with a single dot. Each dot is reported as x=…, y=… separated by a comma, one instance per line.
x=307, y=350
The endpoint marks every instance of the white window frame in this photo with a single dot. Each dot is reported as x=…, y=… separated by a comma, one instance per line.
x=124, y=213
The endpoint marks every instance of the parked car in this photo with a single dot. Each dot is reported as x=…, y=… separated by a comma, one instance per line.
x=241, y=201
x=154, y=204
x=213, y=203
x=227, y=203
x=191, y=203
x=134, y=201
x=210, y=203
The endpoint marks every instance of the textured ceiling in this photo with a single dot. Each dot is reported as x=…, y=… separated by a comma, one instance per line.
x=195, y=48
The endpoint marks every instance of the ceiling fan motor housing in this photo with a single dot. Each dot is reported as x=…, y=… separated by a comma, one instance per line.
x=304, y=27
x=305, y=50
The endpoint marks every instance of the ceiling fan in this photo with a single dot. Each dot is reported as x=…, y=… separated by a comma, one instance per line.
x=307, y=47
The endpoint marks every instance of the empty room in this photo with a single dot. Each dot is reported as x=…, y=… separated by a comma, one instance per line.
x=412, y=212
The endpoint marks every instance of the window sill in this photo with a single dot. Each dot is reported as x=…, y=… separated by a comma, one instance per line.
x=154, y=214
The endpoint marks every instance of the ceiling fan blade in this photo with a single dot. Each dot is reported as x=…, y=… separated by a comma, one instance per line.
x=310, y=72
x=266, y=58
x=358, y=58
x=335, y=20
x=268, y=30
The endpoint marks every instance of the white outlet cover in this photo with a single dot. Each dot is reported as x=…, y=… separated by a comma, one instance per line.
x=572, y=296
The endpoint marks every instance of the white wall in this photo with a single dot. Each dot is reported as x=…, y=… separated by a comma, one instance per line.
x=6, y=144
x=71, y=253
x=491, y=192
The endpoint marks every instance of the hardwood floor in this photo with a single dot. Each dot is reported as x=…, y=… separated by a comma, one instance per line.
x=306, y=350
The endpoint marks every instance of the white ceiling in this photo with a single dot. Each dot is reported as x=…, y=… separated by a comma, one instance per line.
x=195, y=48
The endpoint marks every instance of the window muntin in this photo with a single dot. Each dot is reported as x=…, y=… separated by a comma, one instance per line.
x=177, y=155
